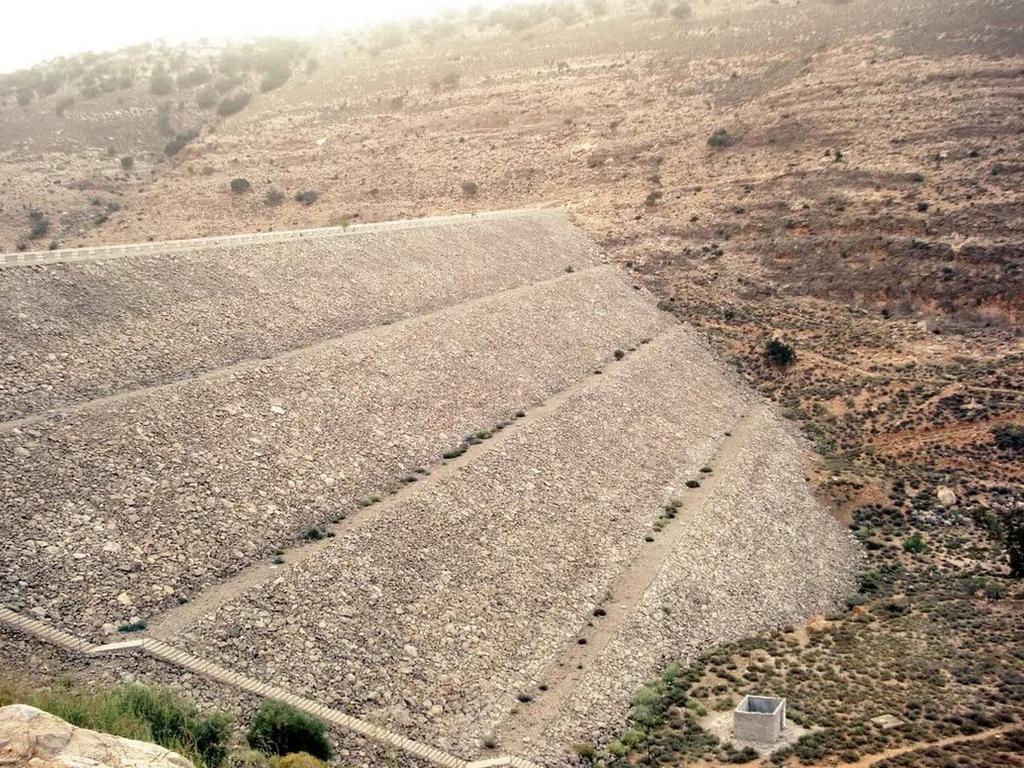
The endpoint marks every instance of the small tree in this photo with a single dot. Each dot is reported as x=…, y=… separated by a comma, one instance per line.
x=779, y=353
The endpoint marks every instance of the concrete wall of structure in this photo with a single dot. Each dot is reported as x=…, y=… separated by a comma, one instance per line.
x=759, y=720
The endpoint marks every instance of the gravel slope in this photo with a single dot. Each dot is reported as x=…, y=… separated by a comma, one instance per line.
x=435, y=614
x=116, y=510
x=760, y=553
x=70, y=332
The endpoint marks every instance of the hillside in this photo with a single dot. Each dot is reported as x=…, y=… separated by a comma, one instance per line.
x=844, y=177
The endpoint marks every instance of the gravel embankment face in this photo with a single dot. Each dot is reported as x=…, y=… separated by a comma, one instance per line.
x=72, y=332
x=759, y=553
x=38, y=664
x=118, y=509
x=435, y=613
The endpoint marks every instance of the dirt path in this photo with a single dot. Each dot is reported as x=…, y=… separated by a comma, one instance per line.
x=626, y=594
x=180, y=618
x=870, y=760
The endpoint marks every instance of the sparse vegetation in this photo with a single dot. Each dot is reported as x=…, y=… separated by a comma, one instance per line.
x=721, y=139
x=280, y=729
x=233, y=104
x=133, y=711
x=779, y=353
x=180, y=141
x=240, y=185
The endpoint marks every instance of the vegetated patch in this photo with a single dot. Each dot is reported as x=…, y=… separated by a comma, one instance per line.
x=721, y=139
x=240, y=185
x=307, y=196
x=39, y=224
x=470, y=188
x=1009, y=437
x=273, y=196
x=133, y=711
x=134, y=626
x=681, y=11
x=779, y=353
x=180, y=141
x=279, y=728
x=233, y=104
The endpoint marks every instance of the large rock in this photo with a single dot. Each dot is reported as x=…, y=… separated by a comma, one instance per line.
x=32, y=738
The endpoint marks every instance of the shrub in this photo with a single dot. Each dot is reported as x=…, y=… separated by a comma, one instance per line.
x=135, y=626
x=233, y=104
x=127, y=162
x=280, y=729
x=40, y=225
x=914, y=544
x=779, y=353
x=160, y=83
x=275, y=78
x=721, y=139
x=586, y=753
x=273, y=196
x=194, y=77
x=1009, y=437
x=64, y=104
x=297, y=760
x=138, y=712
x=470, y=188
x=307, y=197
x=681, y=11
x=619, y=354
x=207, y=97
x=247, y=758
x=239, y=185
x=180, y=141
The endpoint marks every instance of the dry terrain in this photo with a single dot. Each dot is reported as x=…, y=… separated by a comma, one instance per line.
x=842, y=176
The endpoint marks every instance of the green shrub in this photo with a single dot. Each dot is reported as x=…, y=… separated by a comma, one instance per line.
x=779, y=353
x=281, y=729
x=914, y=544
x=239, y=185
x=233, y=104
x=1009, y=437
x=40, y=225
x=180, y=141
x=138, y=712
x=721, y=138
x=307, y=196
x=297, y=760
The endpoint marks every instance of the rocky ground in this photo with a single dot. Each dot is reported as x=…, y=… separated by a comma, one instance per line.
x=435, y=615
x=73, y=332
x=843, y=176
x=144, y=500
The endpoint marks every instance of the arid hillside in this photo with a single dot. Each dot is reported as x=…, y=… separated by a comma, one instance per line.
x=843, y=177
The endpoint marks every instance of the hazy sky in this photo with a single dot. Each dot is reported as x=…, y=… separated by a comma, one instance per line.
x=34, y=31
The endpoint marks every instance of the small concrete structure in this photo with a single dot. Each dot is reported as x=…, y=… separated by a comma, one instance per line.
x=759, y=720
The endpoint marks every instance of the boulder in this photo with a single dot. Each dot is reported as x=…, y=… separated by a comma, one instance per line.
x=31, y=738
